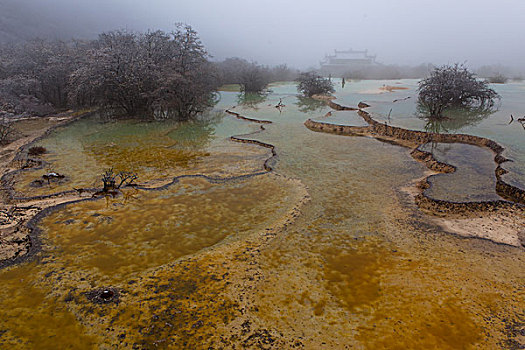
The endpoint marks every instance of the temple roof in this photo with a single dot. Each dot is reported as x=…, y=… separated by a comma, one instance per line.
x=350, y=54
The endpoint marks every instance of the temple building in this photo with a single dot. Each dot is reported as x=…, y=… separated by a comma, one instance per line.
x=343, y=61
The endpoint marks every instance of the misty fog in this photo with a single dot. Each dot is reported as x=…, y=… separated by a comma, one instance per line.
x=299, y=33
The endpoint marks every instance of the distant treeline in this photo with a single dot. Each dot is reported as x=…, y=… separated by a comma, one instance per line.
x=498, y=73
x=153, y=74
x=492, y=73
x=251, y=76
x=381, y=71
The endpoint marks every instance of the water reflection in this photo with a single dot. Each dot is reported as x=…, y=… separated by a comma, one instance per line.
x=251, y=100
x=308, y=104
x=453, y=119
x=196, y=134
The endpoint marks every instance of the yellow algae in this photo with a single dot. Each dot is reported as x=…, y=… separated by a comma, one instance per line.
x=31, y=318
x=173, y=306
x=440, y=327
x=195, y=266
x=156, y=227
x=375, y=298
x=157, y=152
x=185, y=307
x=352, y=276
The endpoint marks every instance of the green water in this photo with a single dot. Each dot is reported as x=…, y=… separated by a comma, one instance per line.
x=156, y=150
x=474, y=178
x=494, y=126
x=201, y=264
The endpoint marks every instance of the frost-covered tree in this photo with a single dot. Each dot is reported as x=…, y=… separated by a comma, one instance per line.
x=310, y=84
x=154, y=73
x=39, y=71
x=136, y=74
x=454, y=86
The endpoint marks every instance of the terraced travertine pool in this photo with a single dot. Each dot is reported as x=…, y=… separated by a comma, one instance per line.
x=325, y=251
x=403, y=113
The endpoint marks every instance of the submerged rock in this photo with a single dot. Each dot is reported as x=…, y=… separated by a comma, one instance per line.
x=103, y=295
x=37, y=183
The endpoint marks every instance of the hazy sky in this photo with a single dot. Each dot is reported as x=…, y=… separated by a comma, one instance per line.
x=301, y=32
